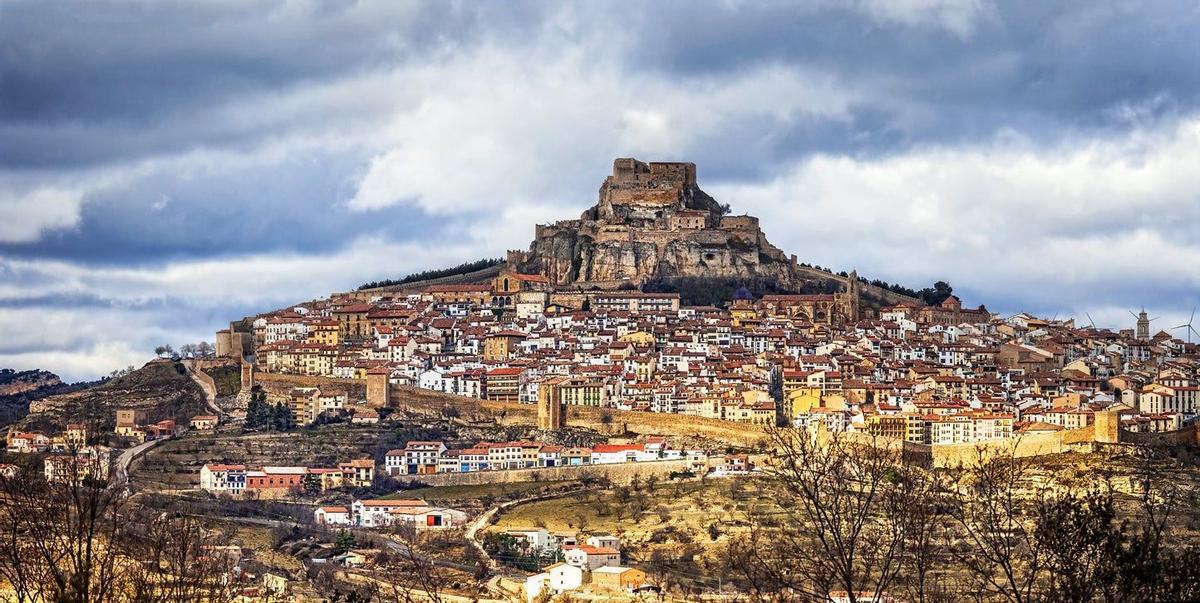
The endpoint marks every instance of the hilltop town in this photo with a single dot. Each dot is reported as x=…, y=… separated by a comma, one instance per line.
x=576, y=328
x=562, y=424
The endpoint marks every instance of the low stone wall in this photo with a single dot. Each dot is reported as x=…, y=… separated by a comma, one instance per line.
x=1187, y=436
x=620, y=473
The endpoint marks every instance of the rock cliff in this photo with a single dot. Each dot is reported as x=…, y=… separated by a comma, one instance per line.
x=652, y=221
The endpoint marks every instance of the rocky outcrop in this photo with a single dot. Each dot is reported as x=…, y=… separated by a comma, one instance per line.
x=652, y=221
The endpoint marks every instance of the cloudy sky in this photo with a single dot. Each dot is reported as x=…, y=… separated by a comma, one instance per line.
x=166, y=167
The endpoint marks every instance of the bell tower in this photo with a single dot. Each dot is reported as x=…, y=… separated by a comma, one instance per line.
x=1143, y=325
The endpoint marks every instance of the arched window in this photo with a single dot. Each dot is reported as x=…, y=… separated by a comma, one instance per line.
x=506, y=284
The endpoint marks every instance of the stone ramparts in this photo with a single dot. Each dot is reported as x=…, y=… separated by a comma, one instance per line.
x=620, y=473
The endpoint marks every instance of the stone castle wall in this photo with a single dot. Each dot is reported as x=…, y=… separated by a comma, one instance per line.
x=276, y=384
x=619, y=473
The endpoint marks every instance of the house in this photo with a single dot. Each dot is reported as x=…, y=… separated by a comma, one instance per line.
x=364, y=416
x=204, y=422
x=416, y=458
x=565, y=577
x=88, y=462
x=358, y=473
x=223, y=479
x=614, y=578
x=604, y=541
x=591, y=557
x=373, y=513
x=537, y=539
x=76, y=435
x=440, y=518
x=276, y=481
x=27, y=442
x=535, y=585
x=275, y=583
x=332, y=516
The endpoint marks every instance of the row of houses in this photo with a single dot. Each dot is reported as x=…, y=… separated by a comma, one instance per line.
x=430, y=457
x=382, y=513
x=275, y=482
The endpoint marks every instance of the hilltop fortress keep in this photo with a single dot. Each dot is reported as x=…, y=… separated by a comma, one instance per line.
x=652, y=220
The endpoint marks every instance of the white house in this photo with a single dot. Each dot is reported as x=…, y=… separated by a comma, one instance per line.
x=223, y=479
x=332, y=516
x=604, y=541
x=564, y=577
x=590, y=557
x=379, y=512
x=538, y=539
x=437, y=518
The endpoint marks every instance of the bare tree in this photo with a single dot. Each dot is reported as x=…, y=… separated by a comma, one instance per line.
x=57, y=535
x=172, y=557
x=838, y=520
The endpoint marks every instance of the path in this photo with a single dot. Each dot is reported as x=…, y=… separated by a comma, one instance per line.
x=210, y=390
x=485, y=519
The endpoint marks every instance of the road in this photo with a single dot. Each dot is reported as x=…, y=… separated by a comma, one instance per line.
x=121, y=473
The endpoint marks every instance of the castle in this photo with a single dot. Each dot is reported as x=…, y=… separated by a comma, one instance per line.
x=652, y=220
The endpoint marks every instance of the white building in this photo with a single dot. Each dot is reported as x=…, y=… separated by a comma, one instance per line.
x=332, y=516
x=223, y=479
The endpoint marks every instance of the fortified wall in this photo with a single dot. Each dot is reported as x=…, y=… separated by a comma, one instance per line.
x=618, y=473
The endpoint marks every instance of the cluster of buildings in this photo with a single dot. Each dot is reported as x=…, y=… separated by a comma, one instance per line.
x=31, y=442
x=275, y=482
x=383, y=512
x=423, y=458
x=594, y=564
x=938, y=374
x=134, y=424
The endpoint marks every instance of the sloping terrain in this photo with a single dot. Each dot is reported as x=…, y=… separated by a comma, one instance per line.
x=19, y=388
x=162, y=388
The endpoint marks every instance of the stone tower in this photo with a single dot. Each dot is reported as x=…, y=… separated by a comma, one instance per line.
x=1143, y=325
x=551, y=412
x=378, y=388
x=852, y=287
x=1107, y=427
x=247, y=376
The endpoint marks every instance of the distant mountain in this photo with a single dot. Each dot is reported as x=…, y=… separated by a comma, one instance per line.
x=19, y=388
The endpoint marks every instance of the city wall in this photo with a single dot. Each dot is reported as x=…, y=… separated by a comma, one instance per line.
x=620, y=473
x=280, y=385
x=604, y=420
x=1187, y=436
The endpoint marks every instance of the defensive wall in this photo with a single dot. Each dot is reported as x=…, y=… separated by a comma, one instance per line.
x=1189, y=435
x=619, y=473
x=605, y=420
x=278, y=384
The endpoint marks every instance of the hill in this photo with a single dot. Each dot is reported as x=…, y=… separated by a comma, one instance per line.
x=19, y=388
x=162, y=388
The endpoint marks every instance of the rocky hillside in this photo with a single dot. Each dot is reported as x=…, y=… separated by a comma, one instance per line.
x=14, y=383
x=19, y=388
x=652, y=221
x=162, y=388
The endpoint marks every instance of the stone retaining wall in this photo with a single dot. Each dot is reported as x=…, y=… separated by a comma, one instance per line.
x=620, y=473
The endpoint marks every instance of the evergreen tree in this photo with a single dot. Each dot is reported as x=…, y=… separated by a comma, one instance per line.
x=258, y=411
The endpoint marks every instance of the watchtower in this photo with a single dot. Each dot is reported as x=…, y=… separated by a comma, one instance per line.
x=1107, y=427
x=379, y=389
x=551, y=411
